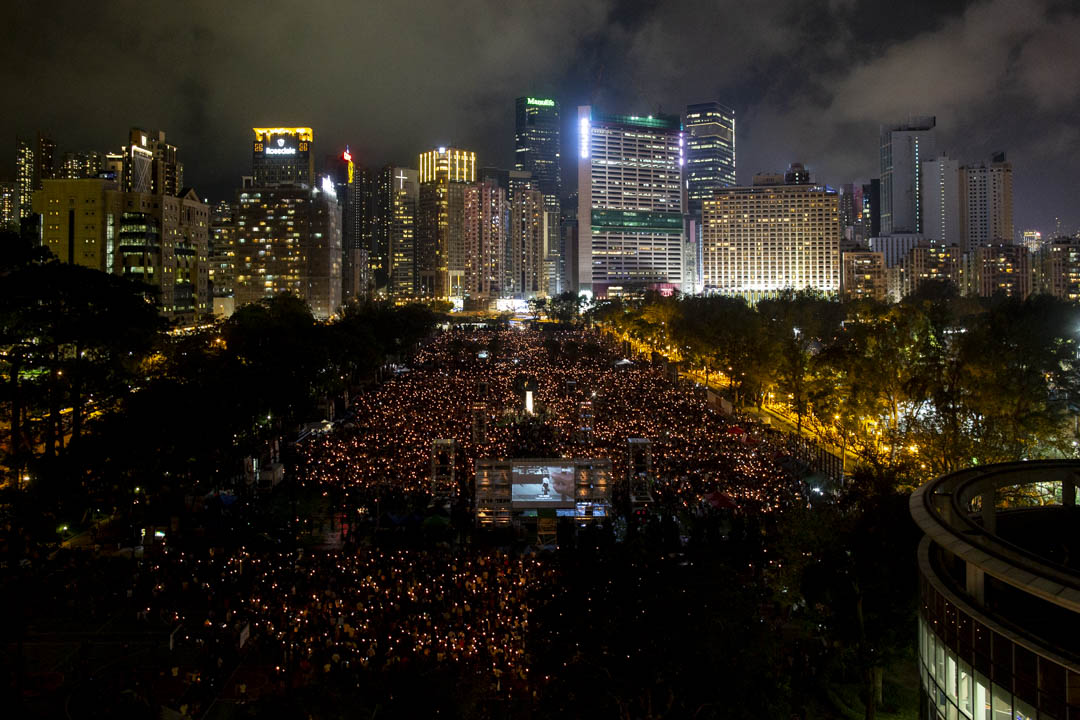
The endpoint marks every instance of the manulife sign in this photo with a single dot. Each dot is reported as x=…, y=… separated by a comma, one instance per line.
x=542, y=102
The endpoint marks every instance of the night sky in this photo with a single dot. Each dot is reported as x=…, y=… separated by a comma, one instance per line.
x=810, y=81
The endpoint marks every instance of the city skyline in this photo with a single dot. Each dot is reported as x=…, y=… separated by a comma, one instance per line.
x=811, y=88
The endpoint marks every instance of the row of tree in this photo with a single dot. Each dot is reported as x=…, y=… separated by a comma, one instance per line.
x=932, y=384
x=97, y=396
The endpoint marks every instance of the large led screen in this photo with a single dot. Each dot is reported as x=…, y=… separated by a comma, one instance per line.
x=543, y=485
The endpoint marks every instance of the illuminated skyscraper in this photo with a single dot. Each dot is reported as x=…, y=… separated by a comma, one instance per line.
x=904, y=147
x=710, y=151
x=403, y=190
x=283, y=156
x=486, y=241
x=33, y=165
x=529, y=258
x=440, y=226
x=288, y=239
x=537, y=145
x=148, y=164
x=630, y=203
x=760, y=240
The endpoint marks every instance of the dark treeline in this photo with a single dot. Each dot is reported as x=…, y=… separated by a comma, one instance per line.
x=929, y=385
x=97, y=397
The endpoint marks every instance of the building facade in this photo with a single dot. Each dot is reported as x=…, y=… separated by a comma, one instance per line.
x=762, y=239
x=148, y=164
x=862, y=276
x=1057, y=268
x=998, y=270
x=487, y=246
x=283, y=156
x=288, y=239
x=941, y=200
x=904, y=147
x=161, y=240
x=222, y=257
x=538, y=145
x=999, y=612
x=440, y=226
x=710, y=151
x=987, y=203
x=630, y=203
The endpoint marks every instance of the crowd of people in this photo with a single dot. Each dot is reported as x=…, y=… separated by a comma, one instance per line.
x=589, y=403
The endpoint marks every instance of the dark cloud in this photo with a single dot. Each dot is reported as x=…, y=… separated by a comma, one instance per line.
x=810, y=81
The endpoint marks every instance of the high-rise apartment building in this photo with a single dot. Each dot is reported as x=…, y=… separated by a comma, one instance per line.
x=531, y=260
x=403, y=194
x=769, y=237
x=987, y=206
x=998, y=269
x=862, y=276
x=1057, y=268
x=79, y=165
x=486, y=240
x=222, y=257
x=871, y=208
x=538, y=145
x=288, y=239
x=630, y=203
x=710, y=151
x=148, y=164
x=283, y=155
x=33, y=165
x=161, y=240
x=904, y=147
x=941, y=200
x=9, y=206
x=926, y=262
x=440, y=227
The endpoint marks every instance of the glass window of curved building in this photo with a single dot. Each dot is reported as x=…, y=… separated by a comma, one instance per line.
x=999, y=615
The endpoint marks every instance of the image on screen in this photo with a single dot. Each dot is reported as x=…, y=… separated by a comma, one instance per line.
x=543, y=485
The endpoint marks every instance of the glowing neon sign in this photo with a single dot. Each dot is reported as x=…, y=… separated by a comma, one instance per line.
x=280, y=151
x=542, y=102
x=584, y=139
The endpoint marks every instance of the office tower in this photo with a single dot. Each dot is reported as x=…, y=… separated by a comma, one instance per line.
x=486, y=229
x=630, y=203
x=998, y=269
x=987, y=203
x=222, y=257
x=537, y=145
x=160, y=239
x=862, y=276
x=926, y=262
x=440, y=223
x=903, y=149
x=999, y=607
x=710, y=151
x=759, y=240
x=941, y=200
x=401, y=231
x=9, y=206
x=871, y=208
x=288, y=239
x=148, y=164
x=283, y=156
x=1057, y=268
x=78, y=165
